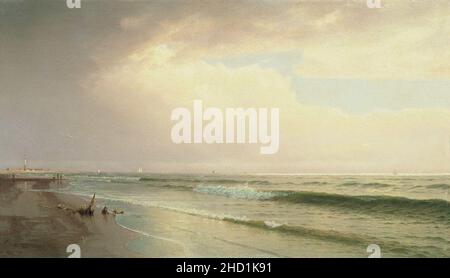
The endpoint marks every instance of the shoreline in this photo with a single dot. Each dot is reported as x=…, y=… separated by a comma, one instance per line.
x=32, y=225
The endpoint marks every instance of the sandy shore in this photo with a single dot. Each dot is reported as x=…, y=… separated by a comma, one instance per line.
x=31, y=225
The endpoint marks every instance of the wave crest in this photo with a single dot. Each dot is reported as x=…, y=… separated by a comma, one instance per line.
x=381, y=204
x=245, y=192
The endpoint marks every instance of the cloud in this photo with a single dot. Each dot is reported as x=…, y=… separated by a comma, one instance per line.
x=113, y=71
x=402, y=40
x=313, y=138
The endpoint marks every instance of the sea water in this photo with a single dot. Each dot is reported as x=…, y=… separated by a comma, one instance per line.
x=180, y=215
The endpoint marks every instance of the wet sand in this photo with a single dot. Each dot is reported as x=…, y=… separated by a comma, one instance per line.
x=32, y=225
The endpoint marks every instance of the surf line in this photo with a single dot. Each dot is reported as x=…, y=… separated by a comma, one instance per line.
x=229, y=127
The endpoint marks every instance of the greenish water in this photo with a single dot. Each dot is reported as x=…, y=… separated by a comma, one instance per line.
x=276, y=215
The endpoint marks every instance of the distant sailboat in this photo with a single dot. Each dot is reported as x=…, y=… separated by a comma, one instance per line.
x=140, y=170
x=99, y=172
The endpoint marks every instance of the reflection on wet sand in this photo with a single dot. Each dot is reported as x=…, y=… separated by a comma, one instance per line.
x=31, y=225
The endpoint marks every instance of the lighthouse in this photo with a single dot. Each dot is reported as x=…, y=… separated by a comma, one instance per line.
x=25, y=163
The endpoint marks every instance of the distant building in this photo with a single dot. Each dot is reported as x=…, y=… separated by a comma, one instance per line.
x=25, y=169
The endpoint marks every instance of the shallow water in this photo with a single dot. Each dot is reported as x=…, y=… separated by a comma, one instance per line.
x=276, y=215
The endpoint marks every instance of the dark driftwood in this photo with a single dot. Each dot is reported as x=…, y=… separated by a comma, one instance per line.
x=89, y=209
x=105, y=211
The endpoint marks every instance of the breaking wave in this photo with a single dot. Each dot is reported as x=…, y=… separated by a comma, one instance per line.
x=435, y=208
x=205, y=180
x=245, y=192
x=381, y=204
x=273, y=226
x=439, y=186
x=369, y=185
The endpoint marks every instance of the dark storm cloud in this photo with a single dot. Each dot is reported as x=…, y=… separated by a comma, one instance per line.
x=48, y=50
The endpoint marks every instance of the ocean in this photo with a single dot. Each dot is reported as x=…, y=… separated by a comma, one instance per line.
x=181, y=215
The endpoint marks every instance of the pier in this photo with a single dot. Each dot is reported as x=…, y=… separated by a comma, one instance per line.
x=12, y=174
x=30, y=179
x=57, y=177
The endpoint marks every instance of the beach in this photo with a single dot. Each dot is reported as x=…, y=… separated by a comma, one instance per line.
x=231, y=216
x=32, y=225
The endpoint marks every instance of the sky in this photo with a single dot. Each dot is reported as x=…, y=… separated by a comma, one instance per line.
x=359, y=90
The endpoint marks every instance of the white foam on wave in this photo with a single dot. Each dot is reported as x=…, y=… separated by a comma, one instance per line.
x=190, y=211
x=237, y=192
x=146, y=203
x=273, y=224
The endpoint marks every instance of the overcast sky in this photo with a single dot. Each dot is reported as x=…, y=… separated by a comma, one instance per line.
x=359, y=89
